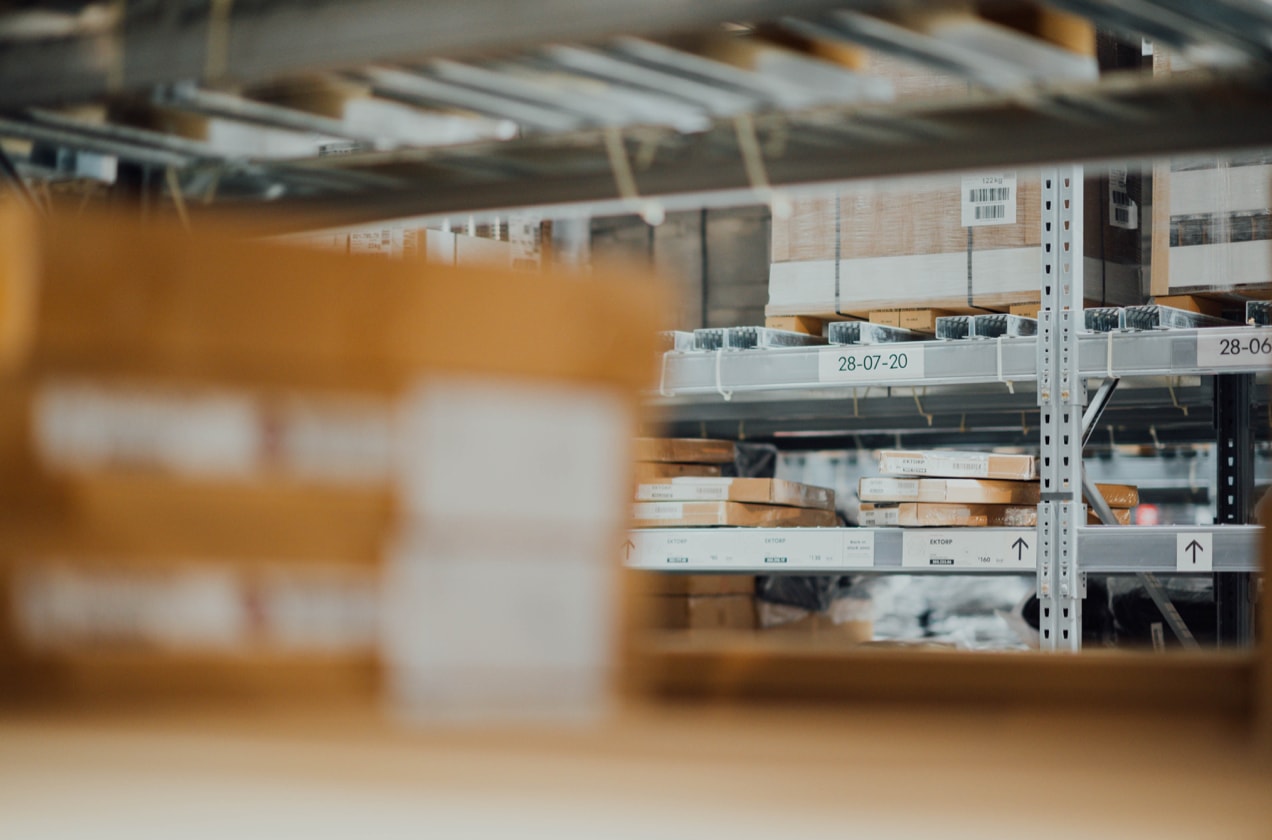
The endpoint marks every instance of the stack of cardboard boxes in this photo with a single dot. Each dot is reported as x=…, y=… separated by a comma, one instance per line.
x=943, y=489
x=238, y=469
x=676, y=489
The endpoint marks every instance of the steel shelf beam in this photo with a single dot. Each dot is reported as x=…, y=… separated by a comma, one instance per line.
x=1116, y=118
x=966, y=362
x=158, y=43
x=1104, y=549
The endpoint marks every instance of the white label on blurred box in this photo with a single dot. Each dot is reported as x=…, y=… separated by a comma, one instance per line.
x=658, y=510
x=885, y=488
x=190, y=606
x=474, y=630
x=699, y=489
x=989, y=199
x=83, y=425
x=540, y=454
x=344, y=440
x=60, y=605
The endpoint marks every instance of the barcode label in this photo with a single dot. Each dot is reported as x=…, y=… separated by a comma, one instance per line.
x=1123, y=212
x=984, y=194
x=989, y=199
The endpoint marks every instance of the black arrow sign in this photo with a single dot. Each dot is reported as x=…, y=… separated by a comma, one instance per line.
x=1194, y=547
x=1020, y=545
x=628, y=546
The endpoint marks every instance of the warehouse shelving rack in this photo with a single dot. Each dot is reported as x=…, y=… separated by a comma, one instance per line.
x=1058, y=363
x=596, y=158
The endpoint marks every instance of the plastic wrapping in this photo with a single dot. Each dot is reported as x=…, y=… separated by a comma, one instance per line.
x=1212, y=217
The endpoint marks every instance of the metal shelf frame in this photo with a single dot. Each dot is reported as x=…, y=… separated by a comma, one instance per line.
x=1105, y=549
x=1117, y=355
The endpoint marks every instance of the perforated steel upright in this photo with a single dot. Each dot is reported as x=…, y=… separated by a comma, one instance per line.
x=1061, y=396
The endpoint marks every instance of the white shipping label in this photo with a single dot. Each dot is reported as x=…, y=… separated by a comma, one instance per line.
x=493, y=450
x=989, y=199
x=699, y=490
x=658, y=510
x=871, y=363
x=888, y=489
x=1251, y=348
x=879, y=517
x=1123, y=213
x=969, y=548
x=84, y=425
x=931, y=463
x=1194, y=552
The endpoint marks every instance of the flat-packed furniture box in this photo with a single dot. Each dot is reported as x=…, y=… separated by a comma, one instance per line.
x=708, y=514
x=230, y=461
x=763, y=491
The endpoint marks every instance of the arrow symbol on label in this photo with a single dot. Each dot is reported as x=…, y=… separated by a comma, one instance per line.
x=628, y=546
x=1194, y=547
x=1020, y=545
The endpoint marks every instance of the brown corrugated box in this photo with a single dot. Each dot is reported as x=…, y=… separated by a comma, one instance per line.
x=660, y=583
x=975, y=491
x=691, y=514
x=704, y=612
x=943, y=515
x=765, y=491
x=150, y=306
x=903, y=244
x=685, y=450
x=652, y=471
x=848, y=621
x=954, y=464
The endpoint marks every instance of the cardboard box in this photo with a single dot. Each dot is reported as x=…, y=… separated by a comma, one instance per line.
x=848, y=621
x=652, y=471
x=975, y=491
x=952, y=242
x=685, y=450
x=948, y=515
x=699, y=514
x=1211, y=217
x=953, y=464
x=704, y=612
x=166, y=317
x=661, y=583
x=766, y=491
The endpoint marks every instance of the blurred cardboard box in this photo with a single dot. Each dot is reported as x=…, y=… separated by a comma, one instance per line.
x=651, y=471
x=657, y=583
x=975, y=491
x=703, y=514
x=944, y=514
x=767, y=491
x=243, y=406
x=685, y=450
x=952, y=464
x=704, y=612
x=847, y=621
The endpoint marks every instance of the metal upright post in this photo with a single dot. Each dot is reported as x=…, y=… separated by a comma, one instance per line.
x=1061, y=397
x=1234, y=483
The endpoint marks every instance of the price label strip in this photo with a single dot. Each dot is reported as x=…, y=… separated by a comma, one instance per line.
x=752, y=550
x=1248, y=348
x=870, y=363
x=969, y=548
